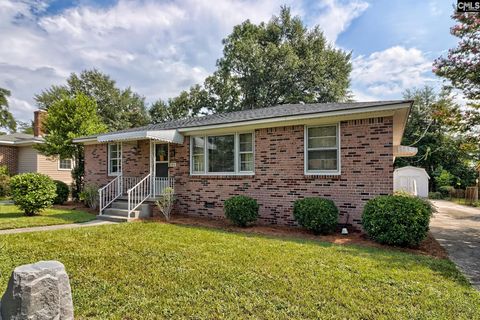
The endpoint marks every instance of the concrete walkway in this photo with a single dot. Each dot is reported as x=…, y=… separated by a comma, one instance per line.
x=92, y=223
x=457, y=229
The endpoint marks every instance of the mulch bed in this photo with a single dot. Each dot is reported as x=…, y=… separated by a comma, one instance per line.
x=429, y=246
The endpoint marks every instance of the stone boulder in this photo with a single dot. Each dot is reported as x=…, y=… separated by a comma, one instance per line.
x=38, y=291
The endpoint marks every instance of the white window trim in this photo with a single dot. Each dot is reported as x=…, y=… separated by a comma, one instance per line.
x=114, y=174
x=305, y=153
x=237, y=171
x=63, y=169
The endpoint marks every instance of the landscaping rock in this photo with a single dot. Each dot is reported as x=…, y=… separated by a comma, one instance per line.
x=38, y=291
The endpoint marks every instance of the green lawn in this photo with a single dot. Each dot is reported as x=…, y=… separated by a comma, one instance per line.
x=151, y=270
x=11, y=217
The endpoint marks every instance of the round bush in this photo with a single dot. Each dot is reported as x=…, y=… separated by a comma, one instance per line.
x=397, y=219
x=316, y=214
x=32, y=192
x=241, y=210
x=62, y=192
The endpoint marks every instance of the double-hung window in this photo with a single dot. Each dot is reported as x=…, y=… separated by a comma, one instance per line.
x=322, y=150
x=114, y=159
x=222, y=154
x=65, y=164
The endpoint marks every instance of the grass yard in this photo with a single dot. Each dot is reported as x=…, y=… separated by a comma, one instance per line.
x=11, y=217
x=152, y=270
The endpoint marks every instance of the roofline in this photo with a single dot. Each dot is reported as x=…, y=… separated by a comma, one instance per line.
x=16, y=143
x=387, y=107
x=390, y=106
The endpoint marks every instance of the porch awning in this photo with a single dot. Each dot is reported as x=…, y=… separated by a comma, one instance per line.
x=404, y=151
x=172, y=136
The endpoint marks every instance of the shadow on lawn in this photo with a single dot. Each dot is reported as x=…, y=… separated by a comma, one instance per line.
x=391, y=257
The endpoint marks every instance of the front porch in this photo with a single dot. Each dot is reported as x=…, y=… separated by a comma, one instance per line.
x=139, y=173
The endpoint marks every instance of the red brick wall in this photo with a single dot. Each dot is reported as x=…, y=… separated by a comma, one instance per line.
x=366, y=163
x=135, y=161
x=9, y=158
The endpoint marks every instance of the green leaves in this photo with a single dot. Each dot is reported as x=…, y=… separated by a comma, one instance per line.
x=32, y=192
x=241, y=210
x=316, y=214
x=118, y=109
x=6, y=117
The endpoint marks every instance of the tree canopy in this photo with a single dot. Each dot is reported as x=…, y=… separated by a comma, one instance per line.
x=69, y=118
x=6, y=118
x=265, y=64
x=117, y=108
x=461, y=66
x=436, y=126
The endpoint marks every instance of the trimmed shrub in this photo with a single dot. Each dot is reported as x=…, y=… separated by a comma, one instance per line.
x=32, y=192
x=62, y=192
x=241, y=210
x=4, y=181
x=89, y=196
x=316, y=214
x=397, y=219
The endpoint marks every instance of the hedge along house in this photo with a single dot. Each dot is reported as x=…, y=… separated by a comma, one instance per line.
x=341, y=151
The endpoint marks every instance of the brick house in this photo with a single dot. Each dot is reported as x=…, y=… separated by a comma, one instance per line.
x=261, y=153
x=18, y=154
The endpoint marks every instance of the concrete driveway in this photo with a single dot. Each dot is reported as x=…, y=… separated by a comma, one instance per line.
x=457, y=229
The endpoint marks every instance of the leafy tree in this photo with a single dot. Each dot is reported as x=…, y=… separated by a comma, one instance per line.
x=267, y=64
x=462, y=64
x=443, y=178
x=69, y=118
x=6, y=117
x=25, y=127
x=118, y=109
x=436, y=127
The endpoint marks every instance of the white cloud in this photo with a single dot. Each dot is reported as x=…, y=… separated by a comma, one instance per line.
x=389, y=72
x=335, y=16
x=157, y=48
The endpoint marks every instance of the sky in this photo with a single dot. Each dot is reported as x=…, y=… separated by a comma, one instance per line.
x=161, y=47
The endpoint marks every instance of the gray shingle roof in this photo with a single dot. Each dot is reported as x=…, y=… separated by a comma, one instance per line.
x=19, y=137
x=283, y=110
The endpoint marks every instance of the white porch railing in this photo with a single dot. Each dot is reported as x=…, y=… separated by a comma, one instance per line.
x=138, y=190
x=109, y=193
x=161, y=183
x=139, y=193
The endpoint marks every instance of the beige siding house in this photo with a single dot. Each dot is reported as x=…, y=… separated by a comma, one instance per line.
x=17, y=152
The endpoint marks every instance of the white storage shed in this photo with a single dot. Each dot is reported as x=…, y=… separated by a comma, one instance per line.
x=412, y=180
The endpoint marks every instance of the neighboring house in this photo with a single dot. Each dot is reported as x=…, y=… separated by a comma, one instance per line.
x=341, y=151
x=17, y=152
x=413, y=180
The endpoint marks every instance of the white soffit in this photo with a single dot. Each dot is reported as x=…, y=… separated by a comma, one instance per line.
x=172, y=136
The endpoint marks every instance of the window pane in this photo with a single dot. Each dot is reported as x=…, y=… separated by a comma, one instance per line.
x=322, y=142
x=246, y=162
x=198, y=145
x=322, y=160
x=161, y=152
x=322, y=131
x=246, y=140
x=198, y=163
x=65, y=164
x=221, y=155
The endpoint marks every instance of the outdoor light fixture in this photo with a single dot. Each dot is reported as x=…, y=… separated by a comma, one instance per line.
x=344, y=229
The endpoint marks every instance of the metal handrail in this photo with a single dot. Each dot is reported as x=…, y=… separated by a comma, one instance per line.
x=138, y=194
x=108, y=193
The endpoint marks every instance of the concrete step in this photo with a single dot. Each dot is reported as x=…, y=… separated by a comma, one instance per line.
x=144, y=210
x=120, y=212
x=107, y=217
